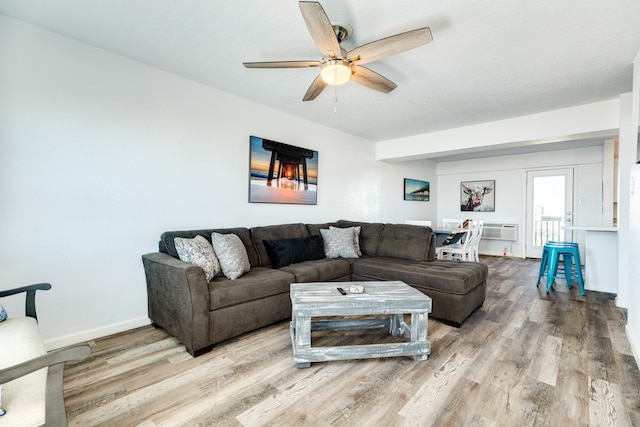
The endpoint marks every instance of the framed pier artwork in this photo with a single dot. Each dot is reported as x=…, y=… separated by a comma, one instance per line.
x=416, y=190
x=282, y=173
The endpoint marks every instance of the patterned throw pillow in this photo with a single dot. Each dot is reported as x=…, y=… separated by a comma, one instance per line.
x=338, y=242
x=232, y=255
x=198, y=251
x=356, y=238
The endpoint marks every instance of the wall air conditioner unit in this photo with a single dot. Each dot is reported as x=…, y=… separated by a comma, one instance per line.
x=500, y=232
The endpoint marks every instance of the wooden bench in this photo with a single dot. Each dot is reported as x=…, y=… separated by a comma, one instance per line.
x=30, y=377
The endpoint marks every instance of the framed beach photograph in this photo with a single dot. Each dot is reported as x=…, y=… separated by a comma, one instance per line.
x=478, y=196
x=282, y=173
x=416, y=190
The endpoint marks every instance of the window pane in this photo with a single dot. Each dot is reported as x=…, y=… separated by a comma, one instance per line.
x=549, y=209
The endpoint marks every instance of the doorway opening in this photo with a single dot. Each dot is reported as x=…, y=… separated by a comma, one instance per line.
x=549, y=208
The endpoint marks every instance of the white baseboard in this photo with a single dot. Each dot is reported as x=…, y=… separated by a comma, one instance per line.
x=501, y=254
x=597, y=288
x=635, y=345
x=92, y=334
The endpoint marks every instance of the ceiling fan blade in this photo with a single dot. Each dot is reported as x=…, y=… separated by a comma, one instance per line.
x=392, y=45
x=314, y=90
x=320, y=28
x=282, y=64
x=371, y=79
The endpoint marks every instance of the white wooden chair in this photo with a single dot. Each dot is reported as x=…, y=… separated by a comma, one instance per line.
x=467, y=249
x=450, y=224
x=460, y=251
x=477, y=235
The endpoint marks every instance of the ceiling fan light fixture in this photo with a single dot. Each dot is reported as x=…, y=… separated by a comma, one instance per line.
x=339, y=65
x=336, y=71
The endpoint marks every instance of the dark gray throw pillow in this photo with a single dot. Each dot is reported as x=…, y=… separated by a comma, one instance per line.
x=288, y=251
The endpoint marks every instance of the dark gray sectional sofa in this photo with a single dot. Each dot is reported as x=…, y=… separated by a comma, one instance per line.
x=201, y=314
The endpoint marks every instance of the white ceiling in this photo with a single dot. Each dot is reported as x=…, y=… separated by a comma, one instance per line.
x=489, y=60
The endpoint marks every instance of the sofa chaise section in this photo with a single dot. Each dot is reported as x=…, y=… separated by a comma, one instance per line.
x=456, y=288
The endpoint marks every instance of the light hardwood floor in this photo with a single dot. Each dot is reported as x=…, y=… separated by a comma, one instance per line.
x=524, y=358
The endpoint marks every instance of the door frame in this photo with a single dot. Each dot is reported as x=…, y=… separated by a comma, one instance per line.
x=531, y=251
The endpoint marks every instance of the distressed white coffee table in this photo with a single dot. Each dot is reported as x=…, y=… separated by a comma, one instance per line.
x=389, y=301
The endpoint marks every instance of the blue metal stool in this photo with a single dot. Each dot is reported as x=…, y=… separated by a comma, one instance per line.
x=549, y=264
x=544, y=261
x=567, y=257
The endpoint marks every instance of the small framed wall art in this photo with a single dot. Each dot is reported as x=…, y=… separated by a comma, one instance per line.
x=416, y=190
x=478, y=196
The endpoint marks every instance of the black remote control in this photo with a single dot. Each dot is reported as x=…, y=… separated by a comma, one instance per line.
x=342, y=291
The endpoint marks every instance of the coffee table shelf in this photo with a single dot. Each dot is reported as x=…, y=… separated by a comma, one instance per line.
x=389, y=301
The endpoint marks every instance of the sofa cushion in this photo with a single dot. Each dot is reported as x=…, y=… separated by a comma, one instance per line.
x=198, y=251
x=369, y=235
x=256, y=284
x=405, y=241
x=339, y=242
x=432, y=248
x=314, y=229
x=454, y=277
x=323, y=270
x=275, y=232
x=167, y=244
x=356, y=238
x=288, y=251
x=232, y=255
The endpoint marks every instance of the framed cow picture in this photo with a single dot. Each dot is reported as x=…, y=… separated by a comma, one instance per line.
x=478, y=196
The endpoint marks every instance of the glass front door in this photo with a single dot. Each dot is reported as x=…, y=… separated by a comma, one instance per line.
x=549, y=208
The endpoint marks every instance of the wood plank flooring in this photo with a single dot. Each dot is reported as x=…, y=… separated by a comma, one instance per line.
x=525, y=358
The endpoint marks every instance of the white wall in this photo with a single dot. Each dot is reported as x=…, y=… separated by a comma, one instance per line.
x=392, y=185
x=100, y=154
x=630, y=266
x=509, y=172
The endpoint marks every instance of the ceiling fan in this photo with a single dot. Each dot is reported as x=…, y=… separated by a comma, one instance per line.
x=339, y=66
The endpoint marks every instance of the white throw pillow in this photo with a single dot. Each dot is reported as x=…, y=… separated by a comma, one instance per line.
x=338, y=242
x=198, y=251
x=356, y=238
x=232, y=255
